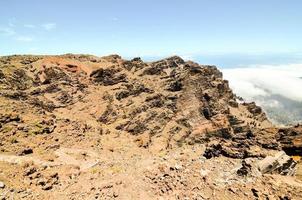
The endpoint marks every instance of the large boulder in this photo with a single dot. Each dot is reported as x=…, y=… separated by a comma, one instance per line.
x=278, y=164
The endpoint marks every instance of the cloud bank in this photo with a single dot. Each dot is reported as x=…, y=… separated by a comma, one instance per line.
x=277, y=88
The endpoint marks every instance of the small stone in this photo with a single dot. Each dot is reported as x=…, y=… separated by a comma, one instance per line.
x=2, y=185
x=245, y=169
x=178, y=167
x=29, y=171
x=47, y=187
x=26, y=151
x=204, y=173
x=115, y=194
x=255, y=192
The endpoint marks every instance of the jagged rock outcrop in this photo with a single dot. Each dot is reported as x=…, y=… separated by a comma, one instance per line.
x=172, y=100
x=291, y=139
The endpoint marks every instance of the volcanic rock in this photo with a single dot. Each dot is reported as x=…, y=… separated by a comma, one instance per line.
x=291, y=139
x=279, y=163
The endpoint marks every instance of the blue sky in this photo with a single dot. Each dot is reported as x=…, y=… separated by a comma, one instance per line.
x=216, y=30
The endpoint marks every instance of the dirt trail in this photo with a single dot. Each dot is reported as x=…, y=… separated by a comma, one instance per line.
x=84, y=159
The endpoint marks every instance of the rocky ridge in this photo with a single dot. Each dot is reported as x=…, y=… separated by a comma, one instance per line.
x=164, y=129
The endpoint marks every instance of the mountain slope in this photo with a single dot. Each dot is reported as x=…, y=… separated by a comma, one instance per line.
x=84, y=126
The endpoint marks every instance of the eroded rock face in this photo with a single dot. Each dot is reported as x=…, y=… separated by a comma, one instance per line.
x=108, y=76
x=171, y=100
x=291, y=139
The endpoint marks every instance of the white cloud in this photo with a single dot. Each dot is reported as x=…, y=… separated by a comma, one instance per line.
x=24, y=38
x=29, y=26
x=264, y=80
x=49, y=26
x=7, y=31
x=277, y=89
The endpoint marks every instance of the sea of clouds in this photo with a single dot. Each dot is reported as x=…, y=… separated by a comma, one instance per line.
x=277, y=88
